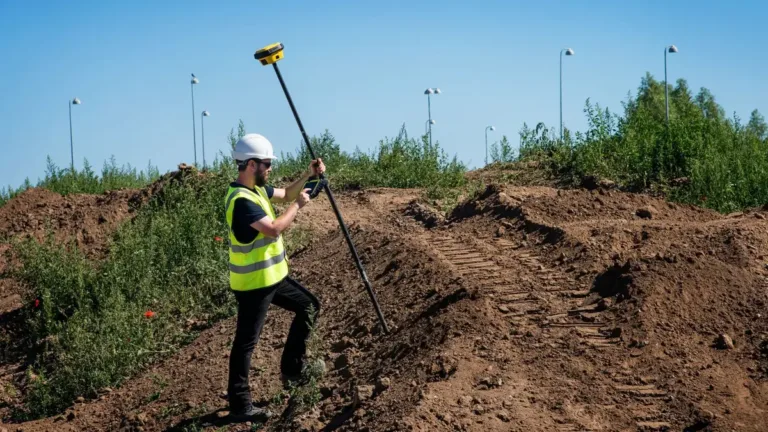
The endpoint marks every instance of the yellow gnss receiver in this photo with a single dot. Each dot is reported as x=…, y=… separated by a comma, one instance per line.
x=269, y=54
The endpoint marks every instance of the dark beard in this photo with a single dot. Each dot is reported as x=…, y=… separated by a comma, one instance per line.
x=260, y=180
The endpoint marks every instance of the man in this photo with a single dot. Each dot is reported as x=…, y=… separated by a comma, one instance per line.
x=258, y=268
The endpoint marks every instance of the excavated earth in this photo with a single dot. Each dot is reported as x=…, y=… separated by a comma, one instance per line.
x=526, y=309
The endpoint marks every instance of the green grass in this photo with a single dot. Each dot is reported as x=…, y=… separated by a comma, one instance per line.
x=91, y=329
x=67, y=181
x=704, y=157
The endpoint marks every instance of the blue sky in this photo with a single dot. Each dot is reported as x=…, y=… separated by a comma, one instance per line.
x=358, y=69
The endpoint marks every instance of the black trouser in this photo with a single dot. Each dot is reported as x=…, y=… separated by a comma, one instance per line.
x=251, y=311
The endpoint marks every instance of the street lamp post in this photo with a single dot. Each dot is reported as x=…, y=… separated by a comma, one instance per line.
x=74, y=101
x=486, y=141
x=671, y=49
x=203, y=115
x=429, y=92
x=194, y=130
x=568, y=52
x=426, y=126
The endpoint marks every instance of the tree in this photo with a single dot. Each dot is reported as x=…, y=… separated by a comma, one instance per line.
x=757, y=125
x=240, y=133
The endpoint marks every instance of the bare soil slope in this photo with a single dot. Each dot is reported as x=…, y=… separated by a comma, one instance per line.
x=529, y=309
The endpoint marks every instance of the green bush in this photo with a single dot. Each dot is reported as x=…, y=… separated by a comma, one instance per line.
x=702, y=157
x=399, y=162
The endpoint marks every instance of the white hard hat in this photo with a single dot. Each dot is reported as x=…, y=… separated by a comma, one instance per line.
x=253, y=146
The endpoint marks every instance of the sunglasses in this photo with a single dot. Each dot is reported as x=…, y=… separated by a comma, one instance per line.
x=267, y=163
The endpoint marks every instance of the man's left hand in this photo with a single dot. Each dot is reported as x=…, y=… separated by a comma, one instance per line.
x=317, y=167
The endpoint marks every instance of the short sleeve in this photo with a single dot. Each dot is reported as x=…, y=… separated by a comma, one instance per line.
x=247, y=212
x=270, y=191
x=244, y=214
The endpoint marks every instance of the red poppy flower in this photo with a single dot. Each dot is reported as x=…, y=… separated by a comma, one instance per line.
x=217, y=238
x=37, y=303
x=149, y=314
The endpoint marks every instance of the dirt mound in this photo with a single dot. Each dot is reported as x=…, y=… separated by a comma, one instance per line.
x=86, y=219
x=672, y=281
x=532, y=309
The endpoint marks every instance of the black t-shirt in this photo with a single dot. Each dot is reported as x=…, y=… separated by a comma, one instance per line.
x=245, y=213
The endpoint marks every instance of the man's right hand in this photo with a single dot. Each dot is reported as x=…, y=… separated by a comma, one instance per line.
x=303, y=198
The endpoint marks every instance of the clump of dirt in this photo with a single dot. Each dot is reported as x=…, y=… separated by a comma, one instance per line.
x=614, y=282
x=424, y=213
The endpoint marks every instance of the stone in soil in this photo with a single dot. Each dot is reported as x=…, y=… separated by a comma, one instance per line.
x=361, y=394
x=465, y=400
x=646, y=212
x=382, y=383
x=504, y=415
x=724, y=342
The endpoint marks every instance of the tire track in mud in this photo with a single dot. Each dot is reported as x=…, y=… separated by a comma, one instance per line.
x=557, y=308
x=529, y=293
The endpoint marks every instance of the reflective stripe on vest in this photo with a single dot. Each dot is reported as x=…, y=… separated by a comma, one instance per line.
x=256, y=244
x=261, y=265
x=262, y=262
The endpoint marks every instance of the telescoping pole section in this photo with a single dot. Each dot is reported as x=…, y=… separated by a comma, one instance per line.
x=271, y=55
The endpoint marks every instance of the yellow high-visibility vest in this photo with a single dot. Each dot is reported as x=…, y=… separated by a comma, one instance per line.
x=262, y=262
